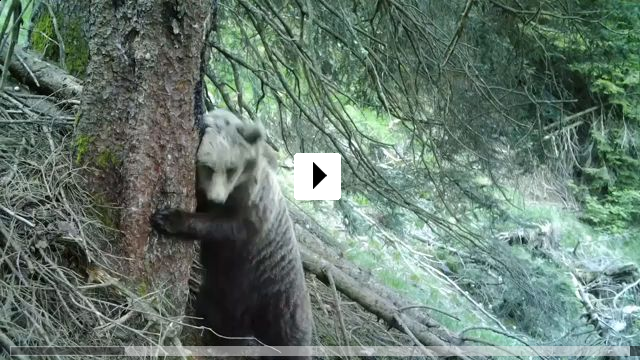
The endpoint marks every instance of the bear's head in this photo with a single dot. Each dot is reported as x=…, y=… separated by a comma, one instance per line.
x=231, y=155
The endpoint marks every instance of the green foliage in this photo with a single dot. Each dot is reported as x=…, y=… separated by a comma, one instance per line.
x=76, y=47
x=27, y=8
x=10, y=22
x=42, y=37
x=82, y=147
x=107, y=159
x=373, y=124
x=604, y=53
x=361, y=199
x=614, y=187
x=143, y=288
x=621, y=208
x=449, y=260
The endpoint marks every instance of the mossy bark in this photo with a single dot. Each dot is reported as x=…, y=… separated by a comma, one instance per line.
x=137, y=128
x=72, y=23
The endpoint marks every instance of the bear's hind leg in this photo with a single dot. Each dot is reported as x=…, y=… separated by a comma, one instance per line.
x=288, y=328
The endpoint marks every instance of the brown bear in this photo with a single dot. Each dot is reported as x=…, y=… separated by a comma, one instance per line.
x=254, y=283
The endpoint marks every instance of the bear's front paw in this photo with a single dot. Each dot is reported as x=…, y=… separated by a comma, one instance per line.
x=168, y=221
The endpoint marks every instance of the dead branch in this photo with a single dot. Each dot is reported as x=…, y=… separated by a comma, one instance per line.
x=592, y=315
x=336, y=298
x=41, y=76
x=6, y=343
x=458, y=33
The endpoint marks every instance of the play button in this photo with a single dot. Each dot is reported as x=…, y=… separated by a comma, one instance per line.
x=316, y=176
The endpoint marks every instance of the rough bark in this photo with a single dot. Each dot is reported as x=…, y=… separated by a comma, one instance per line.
x=137, y=128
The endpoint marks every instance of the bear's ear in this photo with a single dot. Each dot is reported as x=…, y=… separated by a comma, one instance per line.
x=251, y=133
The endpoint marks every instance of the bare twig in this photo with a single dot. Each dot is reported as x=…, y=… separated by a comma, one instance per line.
x=343, y=327
x=18, y=217
x=61, y=47
x=7, y=344
x=458, y=33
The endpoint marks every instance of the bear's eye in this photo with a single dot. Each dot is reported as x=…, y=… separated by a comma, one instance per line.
x=205, y=170
x=231, y=171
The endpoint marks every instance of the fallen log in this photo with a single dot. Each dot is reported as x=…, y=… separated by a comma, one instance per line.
x=312, y=226
x=617, y=275
x=42, y=77
x=372, y=302
x=313, y=240
x=317, y=240
x=311, y=243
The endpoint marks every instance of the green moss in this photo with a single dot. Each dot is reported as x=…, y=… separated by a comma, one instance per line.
x=44, y=40
x=106, y=213
x=76, y=49
x=107, y=159
x=41, y=40
x=143, y=288
x=453, y=265
x=82, y=147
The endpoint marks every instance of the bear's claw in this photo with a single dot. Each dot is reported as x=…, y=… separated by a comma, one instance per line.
x=166, y=220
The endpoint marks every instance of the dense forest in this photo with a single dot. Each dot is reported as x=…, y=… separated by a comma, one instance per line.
x=490, y=167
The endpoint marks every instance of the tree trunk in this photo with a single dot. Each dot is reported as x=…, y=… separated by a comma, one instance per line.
x=137, y=128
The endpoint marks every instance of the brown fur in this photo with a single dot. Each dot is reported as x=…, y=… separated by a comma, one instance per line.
x=254, y=282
